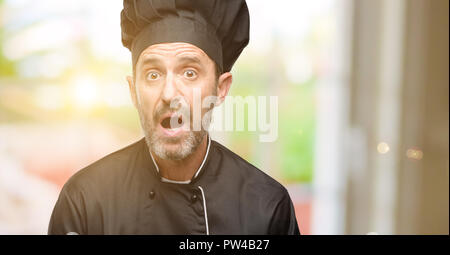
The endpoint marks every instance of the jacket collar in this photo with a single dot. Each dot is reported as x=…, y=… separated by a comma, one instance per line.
x=150, y=161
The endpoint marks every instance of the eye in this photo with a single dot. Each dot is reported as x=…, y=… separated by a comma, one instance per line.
x=153, y=76
x=190, y=74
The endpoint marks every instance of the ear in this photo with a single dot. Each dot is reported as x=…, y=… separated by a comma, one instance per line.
x=223, y=87
x=132, y=87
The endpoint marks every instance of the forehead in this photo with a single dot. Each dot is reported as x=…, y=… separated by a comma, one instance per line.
x=172, y=51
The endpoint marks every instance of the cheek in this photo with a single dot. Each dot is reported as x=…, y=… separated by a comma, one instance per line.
x=198, y=94
x=147, y=99
x=207, y=87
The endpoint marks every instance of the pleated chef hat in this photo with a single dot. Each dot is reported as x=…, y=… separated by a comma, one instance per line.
x=219, y=27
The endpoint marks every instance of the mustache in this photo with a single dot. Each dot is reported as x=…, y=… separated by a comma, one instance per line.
x=176, y=106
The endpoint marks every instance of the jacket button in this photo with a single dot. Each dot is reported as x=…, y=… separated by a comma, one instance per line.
x=194, y=198
x=152, y=194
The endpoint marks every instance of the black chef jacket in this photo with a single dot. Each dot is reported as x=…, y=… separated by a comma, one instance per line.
x=123, y=193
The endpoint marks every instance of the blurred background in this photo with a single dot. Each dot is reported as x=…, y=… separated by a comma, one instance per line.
x=362, y=88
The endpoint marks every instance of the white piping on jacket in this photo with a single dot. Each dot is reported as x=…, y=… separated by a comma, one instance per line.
x=204, y=159
x=204, y=209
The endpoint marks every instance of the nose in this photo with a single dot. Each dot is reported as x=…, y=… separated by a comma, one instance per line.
x=169, y=91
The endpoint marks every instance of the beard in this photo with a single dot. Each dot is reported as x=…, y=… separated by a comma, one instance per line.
x=172, y=148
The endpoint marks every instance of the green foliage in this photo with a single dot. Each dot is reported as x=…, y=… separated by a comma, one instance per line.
x=293, y=152
x=6, y=66
x=296, y=132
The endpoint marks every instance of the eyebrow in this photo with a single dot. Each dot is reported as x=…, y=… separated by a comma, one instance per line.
x=190, y=59
x=150, y=61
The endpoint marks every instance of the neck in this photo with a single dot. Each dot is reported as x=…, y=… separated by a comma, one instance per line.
x=182, y=170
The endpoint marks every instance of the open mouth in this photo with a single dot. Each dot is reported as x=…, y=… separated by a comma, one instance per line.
x=165, y=123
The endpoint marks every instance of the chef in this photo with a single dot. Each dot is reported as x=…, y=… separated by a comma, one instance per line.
x=176, y=179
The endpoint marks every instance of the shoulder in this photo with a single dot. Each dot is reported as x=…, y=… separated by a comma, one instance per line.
x=105, y=170
x=248, y=175
x=274, y=212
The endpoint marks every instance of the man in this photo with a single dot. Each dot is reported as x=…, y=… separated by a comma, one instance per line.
x=176, y=180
